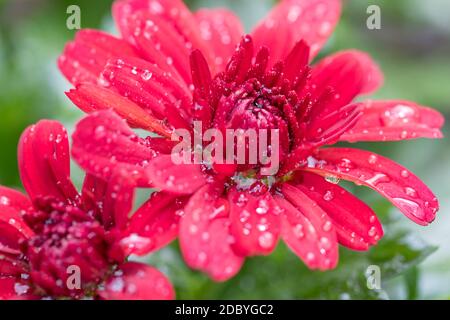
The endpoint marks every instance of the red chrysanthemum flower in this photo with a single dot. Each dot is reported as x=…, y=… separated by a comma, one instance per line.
x=173, y=67
x=57, y=233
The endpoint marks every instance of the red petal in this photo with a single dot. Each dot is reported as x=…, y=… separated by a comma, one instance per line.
x=348, y=74
x=307, y=230
x=103, y=144
x=84, y=59
x=175, y=178
x=255, y=223
x=156, y=91
x=222, y=30
x=7, y=288
x=44, y=161
x=12, y=230
x=137, y=281
x=293, y=20
x=394, y=120
x=177, y=21
x=205, y=238
x=356, y=224
x=89, y=98
x=154, y=225
x=401, y=187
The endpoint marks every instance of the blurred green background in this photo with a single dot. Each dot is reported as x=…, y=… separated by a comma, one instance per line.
x=413, y=49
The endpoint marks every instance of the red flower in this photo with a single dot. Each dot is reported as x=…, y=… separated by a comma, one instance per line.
x=57, y=233
x=172, y=67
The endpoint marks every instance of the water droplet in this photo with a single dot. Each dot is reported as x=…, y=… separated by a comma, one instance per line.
x=146, y=75
x=404, y=173
x=411, y=192
x=4, y=201
x=372, y=231
x=298, y=231
x=327, y=226
x=266, y=240
x=373, y=159
x=328, y=196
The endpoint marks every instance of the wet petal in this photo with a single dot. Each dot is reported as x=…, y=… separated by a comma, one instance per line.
x=348, y=73
x=176, y=178
x=356, y=224
x=406, y=191
x=12, y=230
x=154, y=225
x=137, y=281
x=222, y=30
x=103, y=144
x=44, y=161
x=84, y=59
x=393, y=120
x=308, y=230
x=293, y=20
x=205, y=237
x=255, y=223
x=90, y=98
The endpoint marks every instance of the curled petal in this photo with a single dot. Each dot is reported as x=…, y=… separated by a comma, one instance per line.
x=393, y=120
x=293, y=20
x=255, y=223
x=137, y=281
x=90, y=98
x=84, y=59
x=175, y=178
x=406, y=191
x=356, y=224
x=44, y=162
x=103, y=144
x=307, y=229
x=205, y=237
x=222, y=30
x=154, y=225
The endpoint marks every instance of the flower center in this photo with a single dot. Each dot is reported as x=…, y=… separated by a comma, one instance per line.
x=68, y=255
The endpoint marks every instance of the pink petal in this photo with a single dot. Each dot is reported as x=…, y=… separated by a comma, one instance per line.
x=84, y=59
x=90, y=98
x=7, y=288
x=348, y=73
x=222, y=30
x=12, y=229
x=154, y=90
x=205, y=238
x=103, y=144
x=154, y=225
x=44, y=161
x=356, y=224
x=137, y=281
x=393, y=120
x=398, y=185
x=294, y=20
x=175, y=18
x=175, y=178
x=307, y=229
x=255, y=223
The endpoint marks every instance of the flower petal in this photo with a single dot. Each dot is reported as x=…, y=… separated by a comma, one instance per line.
x=307, y=229
x=154, y=90
x=356, y=224
x=222, y=30
x=44, y=162
x=294, y=20
x=255, y=223
x=205, y=238
x=175, y=178
x=137, y=281
x=393, y=120
x=406, y=191
x=178, y=25
x=90, y=98
x=84, y=59
x=154, y=225
x=12, y=230
x=348, y=73
x=103, y=144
